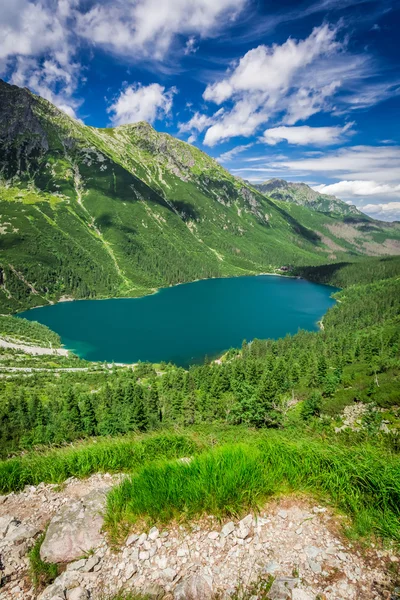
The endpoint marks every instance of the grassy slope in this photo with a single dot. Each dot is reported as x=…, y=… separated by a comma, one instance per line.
x=108, y=212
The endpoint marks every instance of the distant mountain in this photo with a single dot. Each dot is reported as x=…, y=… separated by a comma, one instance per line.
x=302, y=194
x=90, y=213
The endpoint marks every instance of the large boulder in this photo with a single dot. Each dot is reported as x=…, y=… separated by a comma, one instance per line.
x=75, y=529
x=194, y=588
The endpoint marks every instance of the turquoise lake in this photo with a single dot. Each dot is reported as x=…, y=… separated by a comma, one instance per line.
x=185, y=323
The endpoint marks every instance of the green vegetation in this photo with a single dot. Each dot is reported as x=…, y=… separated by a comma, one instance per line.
x=258, y=386
x=106, y=455
x=28, y=332
x=232, y=479
x=42, y=573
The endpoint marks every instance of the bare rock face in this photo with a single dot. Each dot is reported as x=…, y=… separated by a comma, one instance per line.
x=75, y=529
x=194, y=588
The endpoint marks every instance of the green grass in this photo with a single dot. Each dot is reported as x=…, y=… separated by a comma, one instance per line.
x=236, y=478
x=107, y=455
x=42, y=573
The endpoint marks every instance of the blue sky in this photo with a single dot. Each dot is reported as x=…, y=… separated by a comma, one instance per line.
x=307, y=91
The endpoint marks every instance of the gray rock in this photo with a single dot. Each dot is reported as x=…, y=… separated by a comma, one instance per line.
x=270, y=568
x=77, y=565
x=283, y=514
x=142, y=538
x=312, y=551
x=282, y=587
x=19, y=533
x=130, y=570
x=5, y=523
x=132, y=539
x=91, y=563
x=78, y=593
x=194, y=588
x=213, y=535
x=315, y=566
x=153, y=533
x=298, y=594
x=169, y=574
x=52, y=592
x=75, y=529
x=228, y=529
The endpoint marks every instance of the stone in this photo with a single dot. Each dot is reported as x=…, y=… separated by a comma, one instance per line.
x=312, y=551
x=77, y=565
x=130, y=570
x=5, y=523
x=20, y=533
x=270, y=568
x=91, y=563
x=169, y=574
x=153, y=534
x=142, y=538
x=282, y=587
x=283, y=514
x=78, y=593
x=228, y=529
x=298, y=594
x=315, y=566
x=213, y=535
x=194, y=588
x=144, y=555
x=52, y=592
x=75, y=529
x=131, y=539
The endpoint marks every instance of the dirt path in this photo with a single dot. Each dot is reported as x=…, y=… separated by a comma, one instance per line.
x=293, y=541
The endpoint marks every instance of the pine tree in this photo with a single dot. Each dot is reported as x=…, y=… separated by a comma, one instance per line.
x=71, y=411
x=88, y=416
x=140, y=419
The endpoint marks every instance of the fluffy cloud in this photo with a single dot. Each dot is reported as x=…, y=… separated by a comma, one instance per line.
x=387, y=212
x=141, y=103
x=377, y=163
x=359, y=188
x=270, y=80
x=305, y=135
x=36, y=49
x=149, y=27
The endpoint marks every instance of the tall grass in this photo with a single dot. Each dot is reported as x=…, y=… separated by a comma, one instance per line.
x=109, y=455
x=232, y=479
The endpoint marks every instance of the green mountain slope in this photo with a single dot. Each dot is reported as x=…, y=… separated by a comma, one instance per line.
x=89, y=212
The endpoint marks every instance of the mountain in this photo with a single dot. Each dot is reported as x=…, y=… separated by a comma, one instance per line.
x=302, y=194
x=89, y=212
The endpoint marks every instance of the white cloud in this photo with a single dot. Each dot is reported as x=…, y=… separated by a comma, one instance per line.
x=270, y=79
x=197, y=123
x=230, y=154
x=36, y=50
x=377, y=163
x=387, y=212
x=358, y=188
x=141, y=103
x=190, y=47
x=149, y=27
x=305, y=135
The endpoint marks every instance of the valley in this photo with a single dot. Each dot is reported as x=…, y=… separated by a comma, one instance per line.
x=272, y=472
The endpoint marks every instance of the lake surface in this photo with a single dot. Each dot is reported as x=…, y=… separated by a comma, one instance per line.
x=185, y=323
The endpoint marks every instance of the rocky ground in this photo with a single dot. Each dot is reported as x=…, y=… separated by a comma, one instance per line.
x=293, y=543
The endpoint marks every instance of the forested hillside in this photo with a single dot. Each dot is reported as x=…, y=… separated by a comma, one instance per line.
x=354, y=358
x=89, y=212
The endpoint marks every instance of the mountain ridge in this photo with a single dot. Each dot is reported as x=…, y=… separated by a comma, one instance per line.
x=302, y=194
